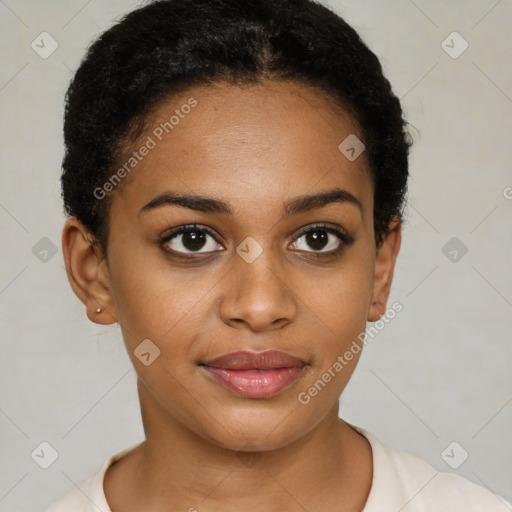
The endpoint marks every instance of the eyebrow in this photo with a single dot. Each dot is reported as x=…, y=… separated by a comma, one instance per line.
x=295, y=206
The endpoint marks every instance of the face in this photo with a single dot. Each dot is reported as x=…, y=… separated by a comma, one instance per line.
x=276, y=251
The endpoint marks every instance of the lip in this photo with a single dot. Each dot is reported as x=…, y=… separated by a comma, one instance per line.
x=255, y=374
x=245, y=360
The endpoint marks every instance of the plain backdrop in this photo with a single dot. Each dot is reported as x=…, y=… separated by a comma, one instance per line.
x=438, y=374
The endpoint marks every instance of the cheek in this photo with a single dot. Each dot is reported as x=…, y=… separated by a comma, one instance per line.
x=340, y=318
x=164, y=303
x=341, y=312
x=341, y=301
x=162, y=306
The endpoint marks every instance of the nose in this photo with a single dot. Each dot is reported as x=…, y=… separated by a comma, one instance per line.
x=258, y=295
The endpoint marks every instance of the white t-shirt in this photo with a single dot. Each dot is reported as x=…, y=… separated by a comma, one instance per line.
x=401, y=482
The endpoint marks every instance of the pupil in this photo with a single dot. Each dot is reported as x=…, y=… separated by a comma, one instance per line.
x=194, y=240
x=317, y=239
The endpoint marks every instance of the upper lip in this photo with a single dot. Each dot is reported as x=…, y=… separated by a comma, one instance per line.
x=245, y=360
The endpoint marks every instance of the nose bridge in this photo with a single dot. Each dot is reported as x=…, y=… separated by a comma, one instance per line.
x=258, y=294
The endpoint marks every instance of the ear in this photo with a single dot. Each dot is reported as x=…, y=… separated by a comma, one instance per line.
x=87, y=272
x=387, y=253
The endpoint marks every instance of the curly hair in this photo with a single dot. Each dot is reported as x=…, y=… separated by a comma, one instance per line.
x=168, y=46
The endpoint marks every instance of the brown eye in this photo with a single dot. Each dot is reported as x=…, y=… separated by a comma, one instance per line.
x=190, y=240
x=317, y=239
x=322, y=240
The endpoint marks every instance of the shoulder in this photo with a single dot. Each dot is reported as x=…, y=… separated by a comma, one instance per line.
x=410, y=484
x=88, y=495
x=76, y=499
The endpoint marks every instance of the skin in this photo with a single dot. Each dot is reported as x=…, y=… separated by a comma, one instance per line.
x=254, y=148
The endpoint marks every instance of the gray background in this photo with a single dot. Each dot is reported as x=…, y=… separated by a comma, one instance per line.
x=438, y=373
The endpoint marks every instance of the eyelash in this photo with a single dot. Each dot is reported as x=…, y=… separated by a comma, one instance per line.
x=345, y=239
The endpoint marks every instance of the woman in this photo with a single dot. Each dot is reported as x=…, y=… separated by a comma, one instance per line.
x=235, y=176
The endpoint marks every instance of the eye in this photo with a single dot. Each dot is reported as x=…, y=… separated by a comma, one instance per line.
x=190, y=240
x=322, y=239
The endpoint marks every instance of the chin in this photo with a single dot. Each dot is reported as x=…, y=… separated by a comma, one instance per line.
x=248, y=430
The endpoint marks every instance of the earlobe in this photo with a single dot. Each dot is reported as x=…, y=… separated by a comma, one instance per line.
x=87, y=272
x=384, y=268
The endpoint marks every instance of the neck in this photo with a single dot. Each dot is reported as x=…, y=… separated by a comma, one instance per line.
x=177, y=469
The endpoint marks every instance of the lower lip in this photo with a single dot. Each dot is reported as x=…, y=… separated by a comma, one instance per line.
x=255, y=383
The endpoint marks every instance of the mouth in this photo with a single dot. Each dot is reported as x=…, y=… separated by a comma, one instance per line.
x=255, y=374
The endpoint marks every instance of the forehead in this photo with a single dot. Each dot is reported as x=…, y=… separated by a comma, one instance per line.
x=241, y=143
